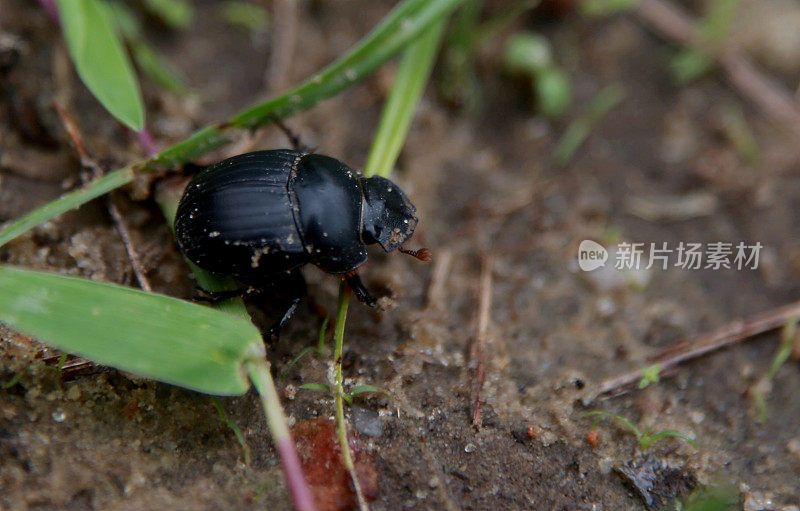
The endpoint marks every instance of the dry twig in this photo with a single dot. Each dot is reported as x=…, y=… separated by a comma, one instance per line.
x=479, y=346
x=88, y=163
x=732, y=333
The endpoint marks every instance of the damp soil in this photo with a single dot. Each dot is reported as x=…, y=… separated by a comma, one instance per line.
x=486, y=187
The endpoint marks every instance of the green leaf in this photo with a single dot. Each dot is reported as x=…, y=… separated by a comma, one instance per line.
x=316, y=386
x=154, y=336
x=360, y=389
x=649, y=375
x=100, y=59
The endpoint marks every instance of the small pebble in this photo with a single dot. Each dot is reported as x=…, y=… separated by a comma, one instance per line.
x=367, y=422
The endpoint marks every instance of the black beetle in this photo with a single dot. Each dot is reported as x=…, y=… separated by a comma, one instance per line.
x=261, y=216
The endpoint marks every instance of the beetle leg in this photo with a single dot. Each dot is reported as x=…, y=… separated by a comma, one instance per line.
x=288, y=289
x=275, y=330
x=360, y=290
x=293, y=137
x=204, y=295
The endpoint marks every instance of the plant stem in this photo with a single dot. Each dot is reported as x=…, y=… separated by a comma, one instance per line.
x=258, y=369
x=338, y=390
x=400, y=27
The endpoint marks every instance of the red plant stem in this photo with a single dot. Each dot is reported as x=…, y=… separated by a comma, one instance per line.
x=146, y=141
x=295, y=478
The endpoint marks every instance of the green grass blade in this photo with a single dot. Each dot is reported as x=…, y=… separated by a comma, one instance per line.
x=360, y=389
x=315, y=386
x=150, y=335
x=178, y=14
x=66, y=202
x=245, y=15
x=664, y=434
x=412, y=76
x=235, y=428
x=577, y=132
x=100, y=59
x=402, y=25
x=623, y=420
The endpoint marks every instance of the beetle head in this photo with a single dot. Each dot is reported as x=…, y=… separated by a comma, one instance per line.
x=387, y=216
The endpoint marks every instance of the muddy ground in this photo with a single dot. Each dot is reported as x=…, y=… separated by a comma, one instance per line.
x=484, y=185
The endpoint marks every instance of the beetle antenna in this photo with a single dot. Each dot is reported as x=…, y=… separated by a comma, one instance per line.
x=422, y=254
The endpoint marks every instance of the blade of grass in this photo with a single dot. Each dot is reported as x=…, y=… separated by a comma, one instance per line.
x=234, y=427
x=318, y=349
x=760, y=390
x=504, y=19
x=648, y=440
x=784, y=350
x=401, y=26
x=623, y=420
x=692, y=62
x=178, y=14
x=316, y=386
x=366, y=388
x=457, y=80
x=246, y=15
x=100, y=59
x=413, y=74
x=66, y=202
x=579, y=129
x=148, y=334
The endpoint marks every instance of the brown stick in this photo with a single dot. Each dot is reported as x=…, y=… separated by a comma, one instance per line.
x=775, y=102
x=479, y=347
x=88, y=163
x=732, y=333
